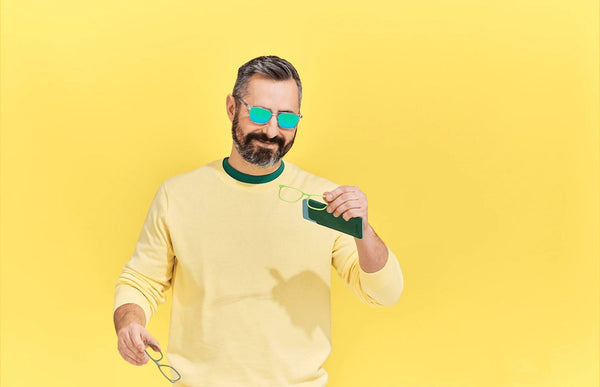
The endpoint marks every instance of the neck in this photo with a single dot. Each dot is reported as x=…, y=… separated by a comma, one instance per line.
x=241, y=165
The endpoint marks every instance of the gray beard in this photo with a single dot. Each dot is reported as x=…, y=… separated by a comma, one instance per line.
x=257, y=155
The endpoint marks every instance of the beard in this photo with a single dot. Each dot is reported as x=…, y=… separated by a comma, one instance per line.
x=253, y=152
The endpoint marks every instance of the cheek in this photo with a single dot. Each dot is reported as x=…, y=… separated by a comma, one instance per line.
x=289, y=137
x=246, y=126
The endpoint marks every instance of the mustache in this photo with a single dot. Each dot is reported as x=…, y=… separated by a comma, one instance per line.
x=263, y=137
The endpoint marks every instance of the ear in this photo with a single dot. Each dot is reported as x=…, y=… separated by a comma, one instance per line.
x=230, y=106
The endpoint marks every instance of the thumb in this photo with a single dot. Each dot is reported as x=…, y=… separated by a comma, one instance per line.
x=151, y=341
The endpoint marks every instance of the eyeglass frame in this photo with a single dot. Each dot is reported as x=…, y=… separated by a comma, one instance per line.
x=248, y=106
x=162, y=365
x=281, y=186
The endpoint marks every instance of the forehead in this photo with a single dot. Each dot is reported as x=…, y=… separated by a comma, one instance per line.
x=271, y=93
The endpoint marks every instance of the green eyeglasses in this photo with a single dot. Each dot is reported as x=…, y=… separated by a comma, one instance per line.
x=262, y=115
x=169, y=372
x=291, y=194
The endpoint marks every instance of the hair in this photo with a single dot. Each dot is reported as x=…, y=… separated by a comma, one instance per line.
x=272, y=67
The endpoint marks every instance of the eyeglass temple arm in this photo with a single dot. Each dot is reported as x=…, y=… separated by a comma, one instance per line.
x=250, y=106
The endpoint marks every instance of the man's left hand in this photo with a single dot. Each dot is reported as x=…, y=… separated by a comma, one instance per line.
x=348, y=201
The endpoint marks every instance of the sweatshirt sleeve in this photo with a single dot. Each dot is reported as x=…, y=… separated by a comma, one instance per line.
x=381, y=288
x=147, y=275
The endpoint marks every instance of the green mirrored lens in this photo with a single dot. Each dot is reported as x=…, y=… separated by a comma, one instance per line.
x=260, y=115
x=287, y=120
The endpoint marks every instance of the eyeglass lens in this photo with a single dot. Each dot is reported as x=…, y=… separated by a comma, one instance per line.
x=285, y=120
x=168, y=371
x=292, y=194
x=319, y=206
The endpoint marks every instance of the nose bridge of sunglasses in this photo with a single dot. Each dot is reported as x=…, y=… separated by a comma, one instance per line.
x=270, y=128
x=284, y=119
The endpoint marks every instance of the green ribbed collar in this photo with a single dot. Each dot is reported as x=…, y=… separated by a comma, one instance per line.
x=252, y=179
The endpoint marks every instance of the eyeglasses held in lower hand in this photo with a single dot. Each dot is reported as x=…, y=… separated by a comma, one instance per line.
x=291, y=194
x=168, y=371
x=260, y=115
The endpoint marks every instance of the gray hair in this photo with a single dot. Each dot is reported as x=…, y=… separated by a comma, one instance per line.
x=272, y=67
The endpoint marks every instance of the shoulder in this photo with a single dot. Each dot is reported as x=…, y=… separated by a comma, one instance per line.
x=199, y=175
x=306, y=180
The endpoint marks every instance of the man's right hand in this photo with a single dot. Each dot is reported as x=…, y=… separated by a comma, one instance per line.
x=129, y=323
x=131, y=343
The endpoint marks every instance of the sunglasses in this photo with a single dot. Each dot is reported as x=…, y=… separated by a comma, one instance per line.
x=262, y=115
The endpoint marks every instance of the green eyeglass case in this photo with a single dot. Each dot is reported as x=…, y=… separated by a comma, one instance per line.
x=353, y=227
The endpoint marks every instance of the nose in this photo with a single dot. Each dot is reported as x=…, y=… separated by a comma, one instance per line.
x=271, y=128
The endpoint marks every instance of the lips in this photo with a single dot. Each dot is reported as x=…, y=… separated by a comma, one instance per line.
x=265, y=143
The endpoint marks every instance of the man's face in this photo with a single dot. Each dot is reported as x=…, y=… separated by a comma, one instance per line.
x=265, y=144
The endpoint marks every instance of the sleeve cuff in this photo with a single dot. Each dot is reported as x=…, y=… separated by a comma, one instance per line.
x=129, y=295
x=389, y=277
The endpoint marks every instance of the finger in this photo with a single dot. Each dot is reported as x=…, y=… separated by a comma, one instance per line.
x=127, y=353
x=331, y=206
x=332, y=195
x=343, y=207
x=137, y=346
x=148, y=339
x=344, y=196
x=127, y=347
x=136, y=338
x=347, y=197
x=131, y=359
x=352, y=214
x=349, y=205
x=154, y=347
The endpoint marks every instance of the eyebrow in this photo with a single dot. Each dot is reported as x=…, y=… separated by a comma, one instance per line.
x=280, y=111
x=271, y=110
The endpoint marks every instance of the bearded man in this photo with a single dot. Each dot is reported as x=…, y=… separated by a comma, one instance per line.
x=250, y=276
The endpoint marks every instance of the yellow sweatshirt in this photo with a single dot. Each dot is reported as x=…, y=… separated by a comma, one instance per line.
x=250, y=277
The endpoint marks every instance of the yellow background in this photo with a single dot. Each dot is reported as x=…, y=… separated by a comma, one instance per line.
x=472, y=126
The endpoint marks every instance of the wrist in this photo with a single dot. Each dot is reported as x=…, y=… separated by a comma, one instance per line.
x=128, y=314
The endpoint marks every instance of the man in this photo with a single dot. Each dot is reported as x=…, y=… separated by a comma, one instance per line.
x=250, y=276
